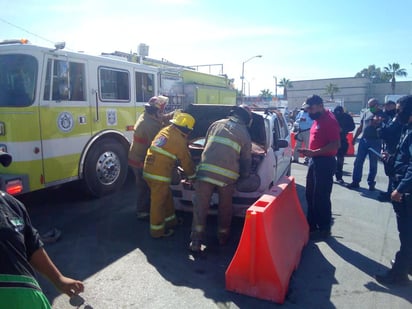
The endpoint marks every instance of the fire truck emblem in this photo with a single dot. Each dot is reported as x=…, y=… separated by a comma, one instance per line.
x=111, y=117
x=65, y=121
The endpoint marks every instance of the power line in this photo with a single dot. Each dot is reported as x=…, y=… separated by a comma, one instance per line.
x=25, y=30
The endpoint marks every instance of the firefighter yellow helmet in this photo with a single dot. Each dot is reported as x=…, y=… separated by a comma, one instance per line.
x=183, y=120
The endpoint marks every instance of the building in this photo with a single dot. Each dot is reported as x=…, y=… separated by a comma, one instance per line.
x=353, y=92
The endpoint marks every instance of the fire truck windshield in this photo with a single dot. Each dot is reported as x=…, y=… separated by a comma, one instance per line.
x=17, y=80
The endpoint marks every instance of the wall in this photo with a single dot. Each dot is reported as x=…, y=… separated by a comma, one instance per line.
x=355, y=92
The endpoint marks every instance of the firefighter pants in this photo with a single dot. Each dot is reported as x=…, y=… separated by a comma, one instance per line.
x=142, y=190
x=201, y=202
x=162, y=210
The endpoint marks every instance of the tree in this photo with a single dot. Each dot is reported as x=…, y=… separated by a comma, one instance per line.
x=266, y=94
x=394, y=70
x=374, y=74
x=331, y=89
x=285, y=84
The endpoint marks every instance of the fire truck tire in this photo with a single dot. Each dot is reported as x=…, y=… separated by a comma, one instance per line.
x=105, y=168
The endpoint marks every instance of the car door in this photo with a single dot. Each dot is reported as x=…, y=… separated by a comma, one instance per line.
x=283, y=155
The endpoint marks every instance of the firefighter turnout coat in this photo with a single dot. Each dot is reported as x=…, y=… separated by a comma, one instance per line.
x=168, y=147
x=145, y=129
x=227, y=153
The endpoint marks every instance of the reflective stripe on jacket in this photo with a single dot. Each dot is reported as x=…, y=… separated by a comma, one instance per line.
x=169, y=146
x=145, y=129
x=227, y=154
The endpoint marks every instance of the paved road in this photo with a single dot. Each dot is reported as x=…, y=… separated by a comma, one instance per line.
x=122, y=267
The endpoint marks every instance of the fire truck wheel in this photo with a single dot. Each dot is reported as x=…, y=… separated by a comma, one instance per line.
x=105, y=167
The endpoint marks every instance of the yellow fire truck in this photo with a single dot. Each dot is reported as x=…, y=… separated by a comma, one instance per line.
x=66, y=116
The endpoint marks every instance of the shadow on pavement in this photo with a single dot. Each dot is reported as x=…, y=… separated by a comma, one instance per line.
x=369, y=267
x=206, y=271
x=98, y=232
x=95, y=232
x=311, y=284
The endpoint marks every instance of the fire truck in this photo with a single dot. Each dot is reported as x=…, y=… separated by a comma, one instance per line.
x=68, y=116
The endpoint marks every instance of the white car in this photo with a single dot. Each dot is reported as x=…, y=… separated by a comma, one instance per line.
x=271, y=155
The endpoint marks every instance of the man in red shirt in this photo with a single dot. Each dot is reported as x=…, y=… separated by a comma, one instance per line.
x=324, y=143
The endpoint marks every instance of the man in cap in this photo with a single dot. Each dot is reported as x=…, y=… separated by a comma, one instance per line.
x=147, y=126
x=22, y=252
x=390, y=133
x=324, y=143
x=168, y=147
x=225, y=158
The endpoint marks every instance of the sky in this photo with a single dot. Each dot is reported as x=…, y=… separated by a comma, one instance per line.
x=297, y=39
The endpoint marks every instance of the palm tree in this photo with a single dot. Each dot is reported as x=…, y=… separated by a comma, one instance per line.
x=266, y=94
x=374, y=74
x=285, y=84
x=331, y=89
x=394, y=70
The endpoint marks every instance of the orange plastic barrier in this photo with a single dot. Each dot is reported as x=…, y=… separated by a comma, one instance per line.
x=270, y=247
x=351, y=149
x=292, y=140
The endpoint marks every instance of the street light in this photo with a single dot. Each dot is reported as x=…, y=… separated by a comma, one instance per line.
x=243, y=73
x=276, y=86
x=248, y=87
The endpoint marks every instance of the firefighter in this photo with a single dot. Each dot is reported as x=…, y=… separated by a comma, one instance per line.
x=145, y=129
x=168, y=147
x=226, y=157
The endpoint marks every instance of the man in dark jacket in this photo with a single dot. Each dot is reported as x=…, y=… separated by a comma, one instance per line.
x=346, y=125
x=401, y=197
x=390, y=133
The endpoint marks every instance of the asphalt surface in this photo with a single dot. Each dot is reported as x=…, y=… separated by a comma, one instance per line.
x=104, y=245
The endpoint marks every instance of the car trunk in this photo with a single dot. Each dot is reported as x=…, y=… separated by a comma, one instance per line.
x=205, y=115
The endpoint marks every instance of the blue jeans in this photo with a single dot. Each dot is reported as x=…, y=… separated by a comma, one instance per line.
x=363, y=151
